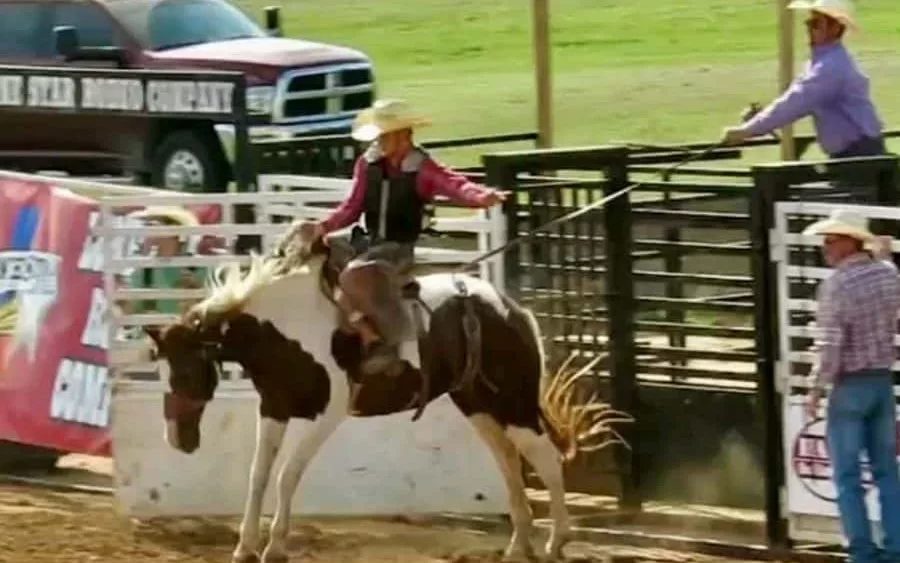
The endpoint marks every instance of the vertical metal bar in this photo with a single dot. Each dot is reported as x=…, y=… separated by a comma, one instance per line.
x=243, y=168
x=621, y=306
x=672, y=259
x=766, y=190
x=497, y=173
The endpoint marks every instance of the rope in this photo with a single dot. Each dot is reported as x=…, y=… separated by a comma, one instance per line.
x=579, y=212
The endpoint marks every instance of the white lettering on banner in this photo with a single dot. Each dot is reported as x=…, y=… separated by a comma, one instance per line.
x=12, y=90
x=57, y=92
x=96, y=329
x=116, y=94
x=189, y=97
x=28, y=271
x=92, y=253
x=112, y=93
x=34, y=276
x=81, y=393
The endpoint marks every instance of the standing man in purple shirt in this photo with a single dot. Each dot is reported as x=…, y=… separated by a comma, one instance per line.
x=857, y=324
x=832, y=89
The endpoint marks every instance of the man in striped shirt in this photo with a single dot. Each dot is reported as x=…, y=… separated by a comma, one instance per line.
x=857, y=323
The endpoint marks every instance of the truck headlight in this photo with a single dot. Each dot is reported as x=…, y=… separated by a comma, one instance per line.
x=260, y=99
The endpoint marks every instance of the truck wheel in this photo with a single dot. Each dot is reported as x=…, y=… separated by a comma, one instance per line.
x=188, y=161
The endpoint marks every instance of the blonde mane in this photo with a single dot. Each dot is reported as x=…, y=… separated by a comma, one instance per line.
x=229, y=290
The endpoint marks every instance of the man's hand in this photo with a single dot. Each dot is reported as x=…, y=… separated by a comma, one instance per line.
x=494, y=197
x=812, y=403
x=750, y=112
x=734, y=136
x=881, y=248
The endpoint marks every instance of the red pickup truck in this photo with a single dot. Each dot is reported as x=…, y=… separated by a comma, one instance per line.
x=298, y=87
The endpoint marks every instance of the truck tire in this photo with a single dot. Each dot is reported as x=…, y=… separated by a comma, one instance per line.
x=189, y=161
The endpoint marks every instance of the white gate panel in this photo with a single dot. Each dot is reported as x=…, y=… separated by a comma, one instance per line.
x=374, y=466
x=810, y=494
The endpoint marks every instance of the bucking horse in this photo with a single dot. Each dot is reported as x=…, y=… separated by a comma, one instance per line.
x=278, y=320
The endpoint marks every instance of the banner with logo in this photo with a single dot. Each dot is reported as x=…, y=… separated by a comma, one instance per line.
x=54, y=388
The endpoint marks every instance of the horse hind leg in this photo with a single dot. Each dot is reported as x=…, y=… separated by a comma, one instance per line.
x=546, y=460
x=504, y=451
x=269, y=436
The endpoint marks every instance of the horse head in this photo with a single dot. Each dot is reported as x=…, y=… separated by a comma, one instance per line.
x=193, y=350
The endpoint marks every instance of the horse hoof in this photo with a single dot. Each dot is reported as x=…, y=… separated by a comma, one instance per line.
x=554, y=548
x=275, y=558
x=519, y=555
x=247, y=558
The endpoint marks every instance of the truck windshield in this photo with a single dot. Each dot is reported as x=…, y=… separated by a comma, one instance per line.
x=178, y=23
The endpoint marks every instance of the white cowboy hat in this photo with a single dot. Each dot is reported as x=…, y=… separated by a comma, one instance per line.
x=842, y=222
x=841, y=10
x=174, y=214
x=386, y=116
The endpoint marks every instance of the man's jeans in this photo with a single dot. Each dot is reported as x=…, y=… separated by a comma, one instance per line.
x=860, y=418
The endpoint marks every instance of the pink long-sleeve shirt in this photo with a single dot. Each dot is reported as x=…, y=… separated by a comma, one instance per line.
x=433, y=179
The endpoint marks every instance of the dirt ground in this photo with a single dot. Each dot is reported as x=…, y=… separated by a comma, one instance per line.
x=42, y=525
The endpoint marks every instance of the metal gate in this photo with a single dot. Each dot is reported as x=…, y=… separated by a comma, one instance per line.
x=808, y=497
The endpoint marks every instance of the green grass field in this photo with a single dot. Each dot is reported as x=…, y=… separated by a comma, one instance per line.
x=678, y=70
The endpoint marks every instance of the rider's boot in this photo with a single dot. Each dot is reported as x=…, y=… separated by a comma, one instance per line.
x=378, y=356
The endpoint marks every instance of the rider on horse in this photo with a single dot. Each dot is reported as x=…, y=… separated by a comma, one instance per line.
x=392, y=183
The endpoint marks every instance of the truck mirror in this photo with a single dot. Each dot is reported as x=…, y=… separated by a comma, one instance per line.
x=273, y=20
x=66, y=38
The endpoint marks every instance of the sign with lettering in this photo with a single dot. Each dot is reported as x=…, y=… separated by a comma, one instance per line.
x=130, y=92
x=54, y=316
x=810, y=484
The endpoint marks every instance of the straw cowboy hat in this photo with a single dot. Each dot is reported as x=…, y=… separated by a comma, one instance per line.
x=840, y=10
x=386, y=116
x=170, y=214
x=845, y=223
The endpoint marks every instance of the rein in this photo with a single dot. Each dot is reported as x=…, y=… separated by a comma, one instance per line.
x=665, y=172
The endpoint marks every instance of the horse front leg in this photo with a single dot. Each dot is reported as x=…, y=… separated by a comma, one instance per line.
x=289, y=478
x=269, y=436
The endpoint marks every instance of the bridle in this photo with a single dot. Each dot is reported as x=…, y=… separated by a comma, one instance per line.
x=177, y=405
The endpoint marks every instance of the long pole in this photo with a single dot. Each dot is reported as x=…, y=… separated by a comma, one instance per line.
x=786, y=70
x=541, y=31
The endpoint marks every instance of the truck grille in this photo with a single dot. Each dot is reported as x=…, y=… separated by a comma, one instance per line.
x=331, y=92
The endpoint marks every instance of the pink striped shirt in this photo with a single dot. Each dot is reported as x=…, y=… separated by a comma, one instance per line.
x=857, y=317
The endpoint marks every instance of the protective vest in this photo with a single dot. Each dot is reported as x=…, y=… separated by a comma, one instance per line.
x=393, y=209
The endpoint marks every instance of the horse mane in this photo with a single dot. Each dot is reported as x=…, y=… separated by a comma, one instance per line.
x=229, y=289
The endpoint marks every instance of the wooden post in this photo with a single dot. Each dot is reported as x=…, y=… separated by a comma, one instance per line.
x=786, y=70
x=541, y=26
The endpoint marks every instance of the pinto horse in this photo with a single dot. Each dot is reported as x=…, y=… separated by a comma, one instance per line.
x=281, y=325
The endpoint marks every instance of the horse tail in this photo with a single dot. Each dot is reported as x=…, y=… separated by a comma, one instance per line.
x=573, y=426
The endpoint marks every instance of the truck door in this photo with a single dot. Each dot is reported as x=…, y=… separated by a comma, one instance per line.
x=23, y=30
x=109, y=137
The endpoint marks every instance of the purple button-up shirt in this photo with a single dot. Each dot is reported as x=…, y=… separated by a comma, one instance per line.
x=857, y=317
x=835, y=92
